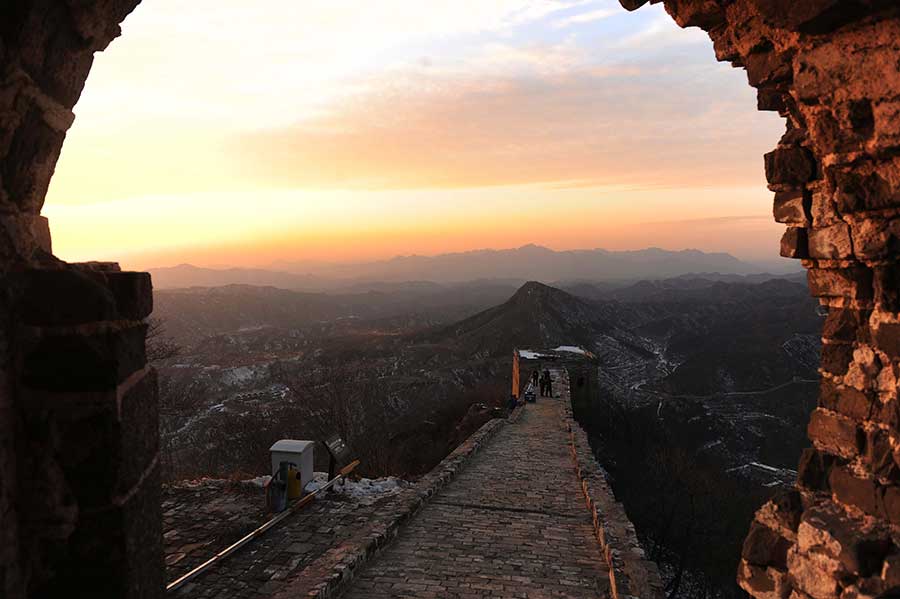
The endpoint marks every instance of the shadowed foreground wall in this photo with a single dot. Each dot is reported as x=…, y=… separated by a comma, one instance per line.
x=78, y=474
x=832, y=69
x=79, y=485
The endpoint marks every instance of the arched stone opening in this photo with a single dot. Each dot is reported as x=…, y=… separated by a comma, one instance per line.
x=76, y=399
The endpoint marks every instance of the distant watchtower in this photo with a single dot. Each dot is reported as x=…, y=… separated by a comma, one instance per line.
x=581, y=365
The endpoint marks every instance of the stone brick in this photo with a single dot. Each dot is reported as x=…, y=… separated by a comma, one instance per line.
x=830, y=242
x=890, y=505
x=124, y=540
x=873, y=238
x=850, y=283
x=859, y=548
x=97, y=362
x=879, y=453
x=792, y=15
x=767, y=66
x=794, y=243
x=862, y=493
x=765, y=547
x=887, y=412
x=704, y=14
x=34, y=145
x=887, y=338
x=836, y=358
x=814, y=470
x=834, y=433
x=788, y=508
x=133, y=292
x=105, y=440
x=791, y=208
x=887, y=287
x=842, y=324
x=769, y=99
x=850, y=402
x=790, y=166
x=814, y=573
x=823, y=209
x=858, y=190
x=65, y=297
x=766, y=583
x=138, y=430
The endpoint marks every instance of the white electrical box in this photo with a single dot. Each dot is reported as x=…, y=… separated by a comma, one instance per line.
x=298, y=453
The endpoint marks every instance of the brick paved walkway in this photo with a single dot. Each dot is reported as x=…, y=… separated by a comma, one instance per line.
x=512, y=524
x=215, y=519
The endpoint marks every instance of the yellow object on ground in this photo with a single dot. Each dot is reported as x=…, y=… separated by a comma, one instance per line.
x=295, y=487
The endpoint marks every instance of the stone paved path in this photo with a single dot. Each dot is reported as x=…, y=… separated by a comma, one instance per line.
x=512, y=524
x=203, y=521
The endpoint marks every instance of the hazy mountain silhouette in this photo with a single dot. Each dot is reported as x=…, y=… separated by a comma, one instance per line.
x=188, y=275
x=527, y=263
x=532, y=262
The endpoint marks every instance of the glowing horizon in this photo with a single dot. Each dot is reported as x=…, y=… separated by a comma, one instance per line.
x=222, y=134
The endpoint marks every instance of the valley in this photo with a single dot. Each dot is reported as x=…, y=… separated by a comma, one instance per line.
x=706, y=383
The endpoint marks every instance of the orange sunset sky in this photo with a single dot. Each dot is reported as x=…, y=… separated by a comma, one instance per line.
x=226, y=132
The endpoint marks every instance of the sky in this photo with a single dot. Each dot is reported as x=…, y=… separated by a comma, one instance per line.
x=226, y=132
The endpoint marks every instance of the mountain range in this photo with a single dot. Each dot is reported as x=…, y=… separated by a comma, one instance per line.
x=530, y=262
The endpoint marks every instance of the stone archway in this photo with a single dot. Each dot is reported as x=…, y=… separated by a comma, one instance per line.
x=77, y=402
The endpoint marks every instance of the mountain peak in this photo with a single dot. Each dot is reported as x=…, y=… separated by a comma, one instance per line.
x=535, y=248
x=538, y=296
x=535, y=289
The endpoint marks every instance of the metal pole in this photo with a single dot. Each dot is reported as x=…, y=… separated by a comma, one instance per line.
x=175, y=585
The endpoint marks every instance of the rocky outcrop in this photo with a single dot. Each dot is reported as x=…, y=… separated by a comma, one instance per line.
x=830, y=67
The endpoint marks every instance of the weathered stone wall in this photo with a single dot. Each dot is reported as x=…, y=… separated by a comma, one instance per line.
x=832, y=69
x=79, y=509
x=632, y=575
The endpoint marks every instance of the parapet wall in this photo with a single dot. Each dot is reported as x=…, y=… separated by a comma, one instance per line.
x=86, y=482
x=631, y=573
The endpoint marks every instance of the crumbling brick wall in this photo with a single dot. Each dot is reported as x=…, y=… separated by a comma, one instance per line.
x=832, y=69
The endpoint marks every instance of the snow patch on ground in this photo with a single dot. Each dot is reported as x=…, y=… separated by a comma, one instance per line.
x=239, y=375
x=571, y=349
x=364, y=490
x=527, y=354
x=259, y=481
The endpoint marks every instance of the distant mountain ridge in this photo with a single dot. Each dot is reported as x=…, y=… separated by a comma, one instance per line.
x=527, y=263
x=187, y=275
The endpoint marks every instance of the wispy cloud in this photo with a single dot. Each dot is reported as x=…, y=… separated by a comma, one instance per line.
x=533, y=59
x=586, y=17
x=589, y=126
x=661, y=32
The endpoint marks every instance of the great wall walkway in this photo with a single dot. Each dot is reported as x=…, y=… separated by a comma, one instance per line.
x=520, y=509
x=512, y=524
